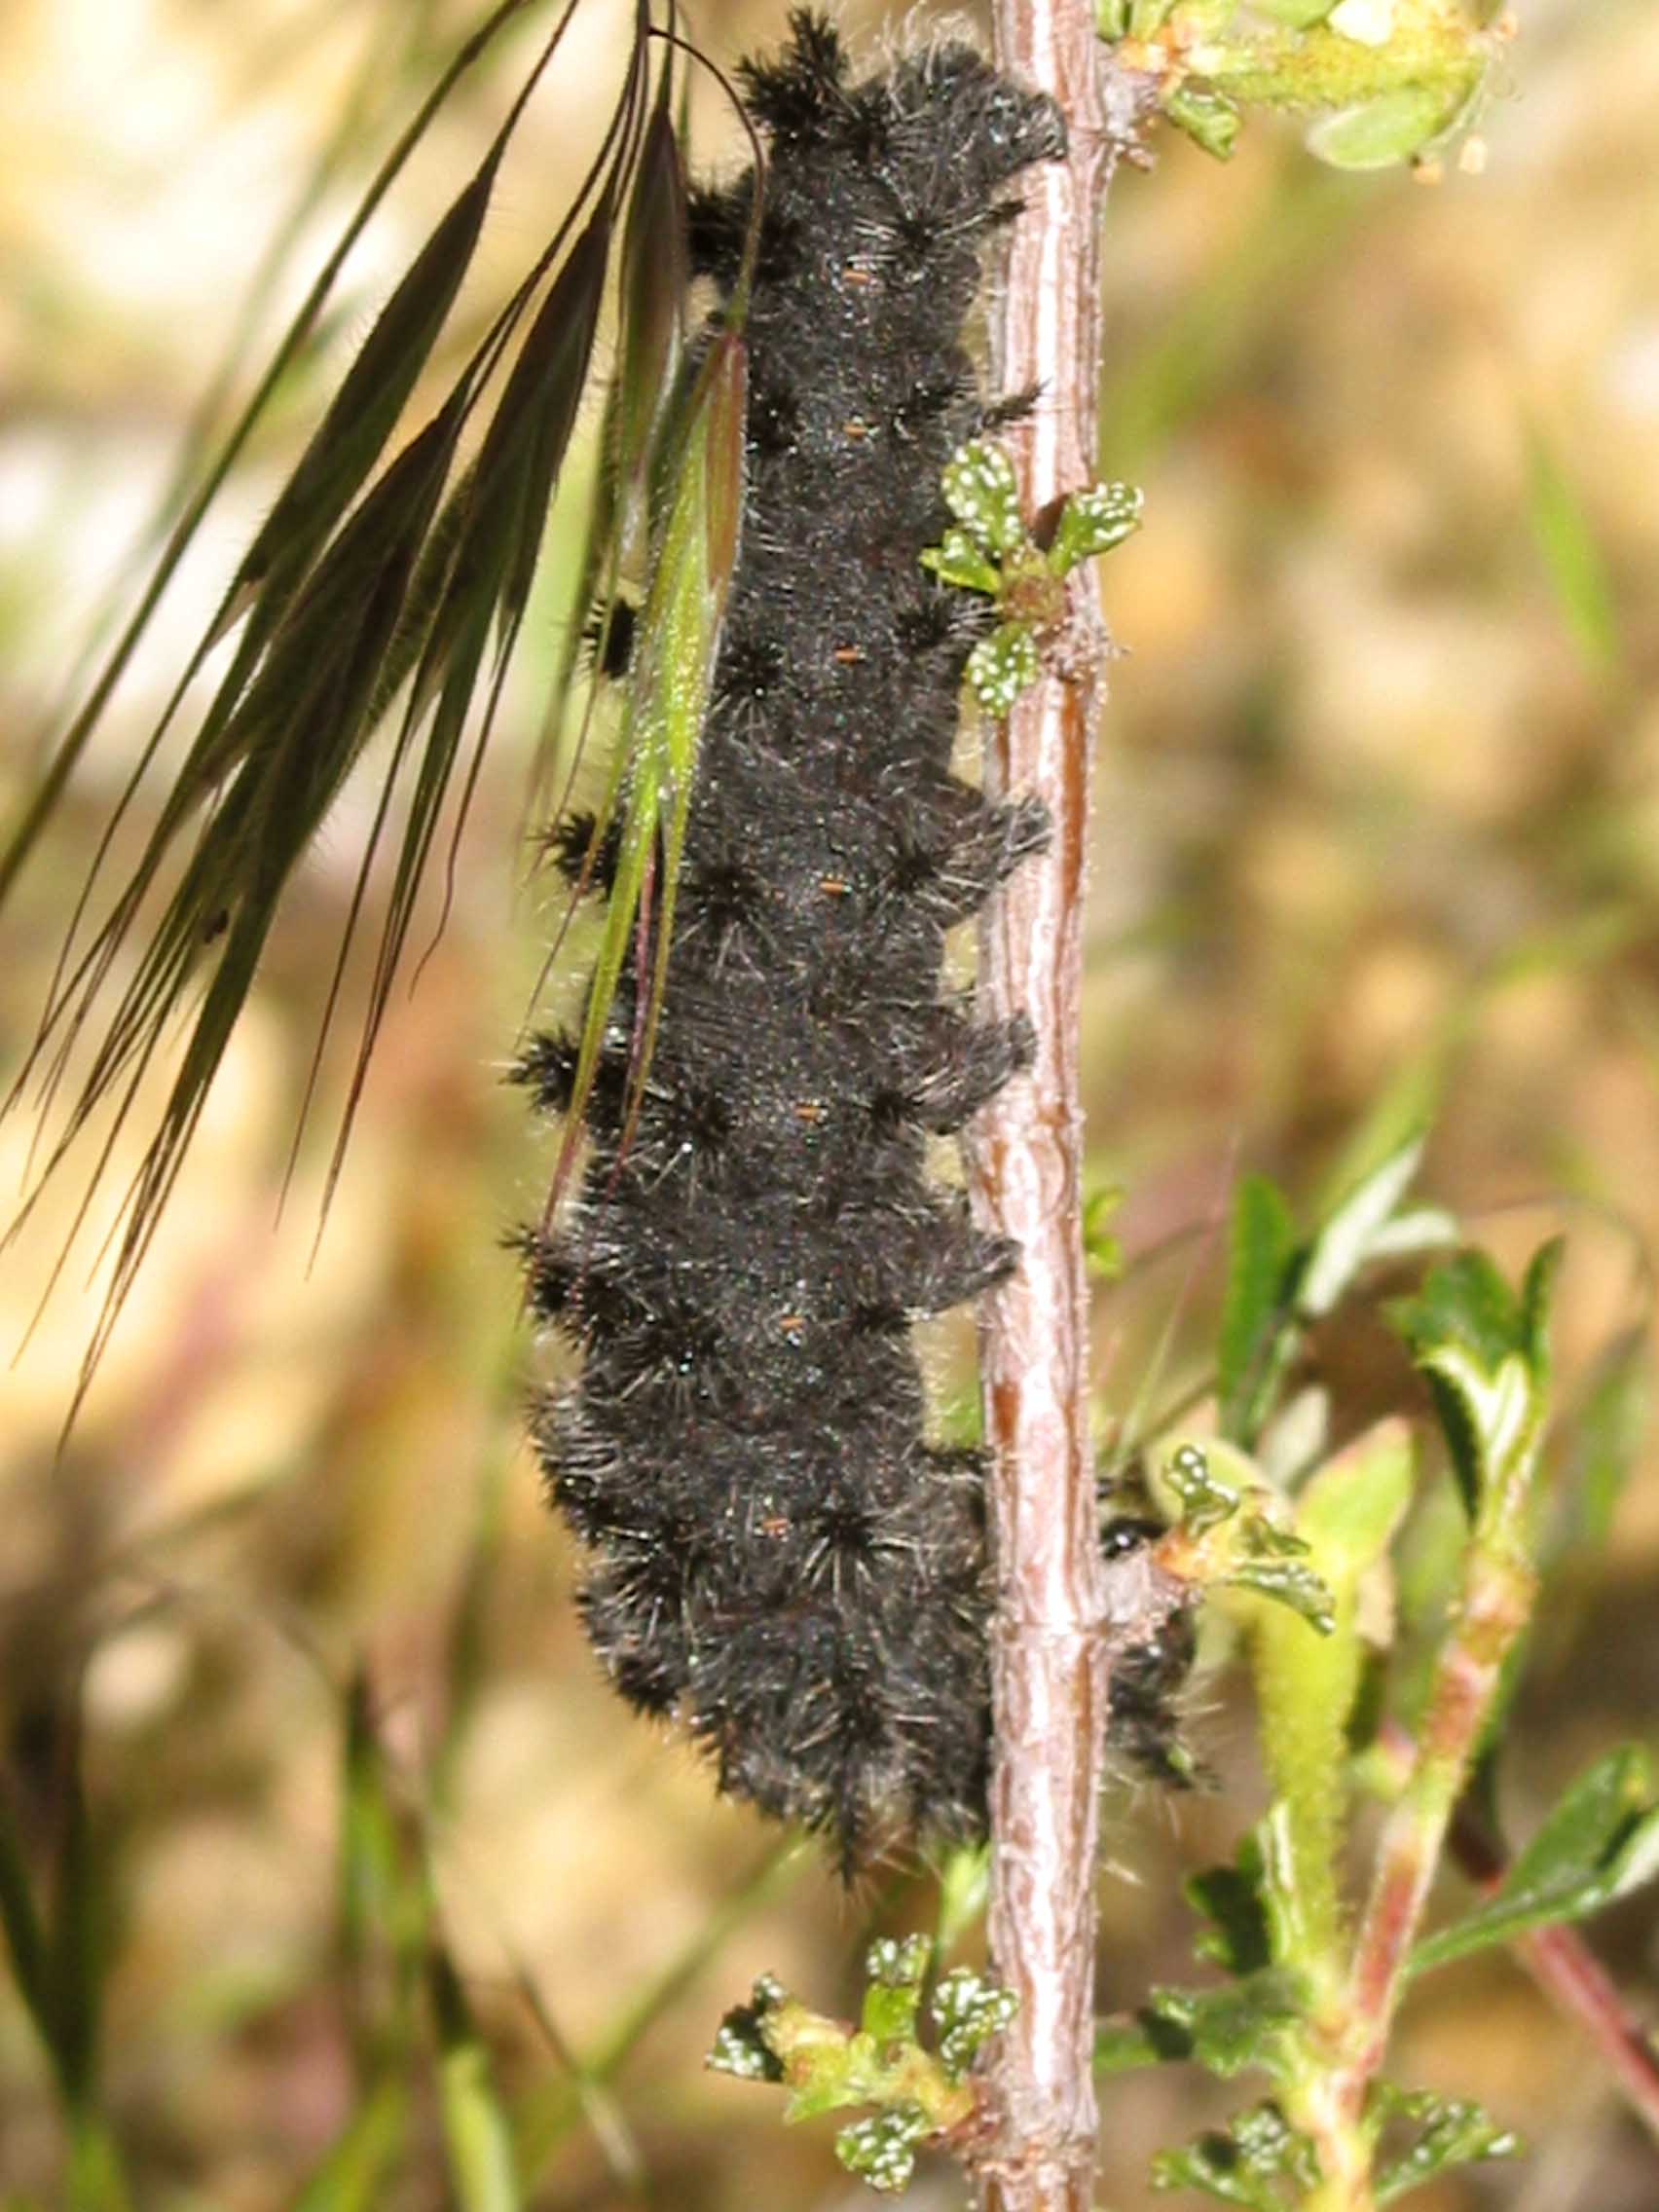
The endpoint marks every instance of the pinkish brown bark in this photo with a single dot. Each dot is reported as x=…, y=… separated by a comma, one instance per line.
x=1049, y=1646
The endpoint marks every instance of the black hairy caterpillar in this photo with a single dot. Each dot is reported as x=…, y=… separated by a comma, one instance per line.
x=782, y=1557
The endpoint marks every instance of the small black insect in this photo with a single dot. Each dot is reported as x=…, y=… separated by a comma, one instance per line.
x=1147, y=1677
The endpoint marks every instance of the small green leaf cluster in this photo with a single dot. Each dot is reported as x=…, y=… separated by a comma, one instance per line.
x=1291, y=1543
x=989, y=549
x=1389, y=81
x=918, y=2095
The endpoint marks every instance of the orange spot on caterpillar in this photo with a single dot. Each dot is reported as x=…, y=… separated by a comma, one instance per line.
x=848, y=655
x=834, y=886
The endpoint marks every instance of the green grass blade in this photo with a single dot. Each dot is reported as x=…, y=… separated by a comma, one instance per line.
x=355, y=2175
x=384, y=1903
x=652, y=285
x=1576, y=565
x=699, y=553
x=352, y=435
x=552, y=2110
x=680, y=636
x=25, y=1936
x=477, y=2138
x=80, y=1941
x=654, y=279
x=39, y=809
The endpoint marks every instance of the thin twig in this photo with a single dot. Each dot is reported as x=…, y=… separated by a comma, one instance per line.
x=1568, y=1971
x=1048, y=1652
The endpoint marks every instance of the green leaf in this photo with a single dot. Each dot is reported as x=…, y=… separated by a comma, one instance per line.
x=1272, y=1562
x=1094, y=521
x=740, y=2046
x=1207, y=117
x=882, y=2149
x=893, y=1990
x=968, y=2011
x=1102, y=1253
x=1600, y=1843
x=1497, y=1412
x=1248, y=2164
x=1538, y=1298
x=1126, y=2044
x=1349, y=1237
x=1486, y=1352
x=1298, y=15
x=1466, y=1304
x=1349, y=1510
x=1228, y=2031
x=957, y=560
x=1002, y=666
x=1455, y=2132
x=1382, y=133
x=981, y=492
x=1231, y=1898
x=1260, y=1254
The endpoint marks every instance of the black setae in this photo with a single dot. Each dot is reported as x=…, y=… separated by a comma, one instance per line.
x=781, y=1556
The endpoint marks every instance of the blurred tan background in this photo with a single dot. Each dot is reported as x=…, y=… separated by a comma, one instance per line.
x=1378, y=836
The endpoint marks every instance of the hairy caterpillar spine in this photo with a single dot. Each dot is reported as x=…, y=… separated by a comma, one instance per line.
x=781, y=1555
